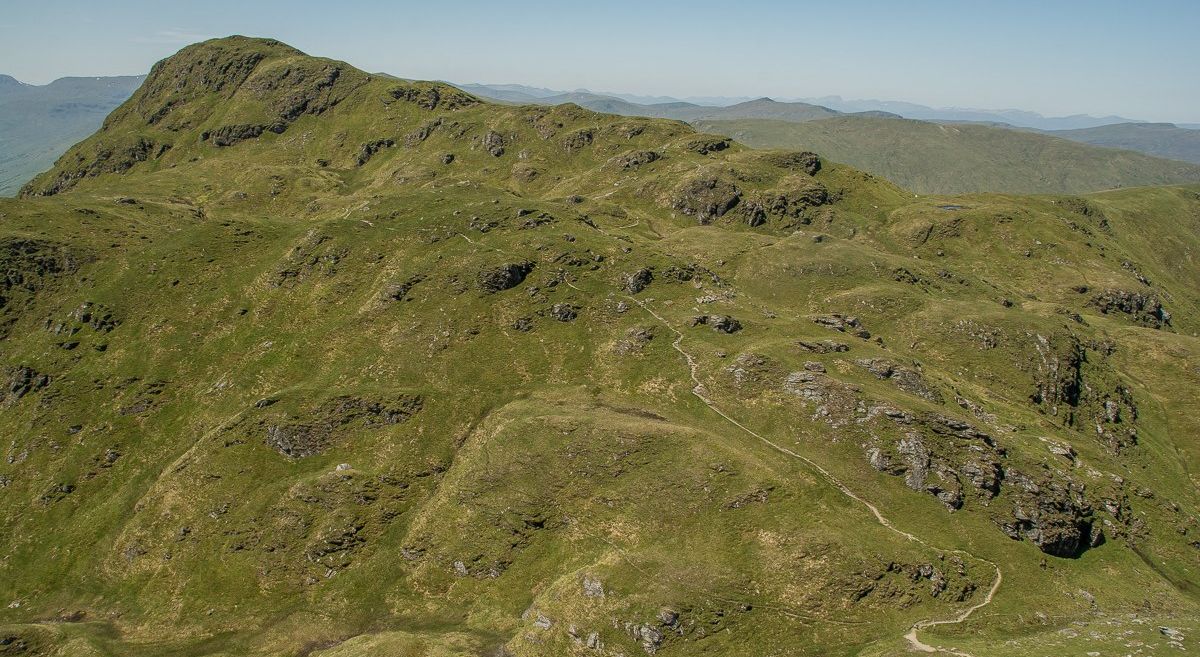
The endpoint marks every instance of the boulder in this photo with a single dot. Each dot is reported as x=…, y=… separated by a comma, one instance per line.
x=504, y=277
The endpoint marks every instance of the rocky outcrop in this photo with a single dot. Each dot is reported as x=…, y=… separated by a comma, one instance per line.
x=370, y=148
x=232, y=134
x=578, y=140
x=822, y=346
x=1051, y=512
x=115, y=156
x=843, y=324
x=313, y=434
x=1141, y=308
x=564, y=312
x=1075, y=383
x=805, y=161
x=493, y=143
x=431, y=97
x=936, y=454
x=718, y=323
x=635, y=340
x=633, y=159
x=705, y=144
x=905, y=378
x=705, y=198
x=21, y=381
x=793, y=197
x=504, y=277
x=638, y=280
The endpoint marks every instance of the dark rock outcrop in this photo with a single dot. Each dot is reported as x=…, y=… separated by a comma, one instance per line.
x=1049, y=511
x=21, y=381
x=718, y=323
x=493, y=142
x=1141, y=308
x=370, y=148
x=843, y=324
x=638, y=280
x=504, y=277
x=302, y=437
x=705, y=198
x=809, y=163
x=905, y=378
x=633, y=159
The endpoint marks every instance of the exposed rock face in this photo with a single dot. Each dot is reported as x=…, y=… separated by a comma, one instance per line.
x=1141, y=308
x=705, y=198
x=809, y=163
x=705, y=144
x=638, y=280
x=419, y=134
x=1075, y=383
x=370, y=148
x=796, y=195
x=493, y=143
x=312, y=435
x=504, y=277
x=1051, y=512
x=564, y=312
x=116, y=156
x=229, y=135
x=822, y=346
x=633, y=159
x=1060, y=375
x=22, y=381
x=843, y=324
x=936, y=454
x=430, y=97
x=578, y=140
x=905, y=378
x=718, y=323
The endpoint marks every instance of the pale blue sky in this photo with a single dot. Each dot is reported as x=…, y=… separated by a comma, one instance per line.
x=1136, y=59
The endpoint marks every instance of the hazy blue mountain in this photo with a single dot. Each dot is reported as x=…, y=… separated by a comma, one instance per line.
x=39, y=122
x=1160, y=139
x=1015, y=117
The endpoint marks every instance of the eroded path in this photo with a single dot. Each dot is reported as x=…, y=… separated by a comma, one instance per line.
x=912, y=637
x=701, y=393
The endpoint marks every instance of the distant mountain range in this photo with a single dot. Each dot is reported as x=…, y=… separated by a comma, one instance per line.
x=1014, y=117
x=937, y=158
x=39, y=122
x=1161, y=139
x=859, y=138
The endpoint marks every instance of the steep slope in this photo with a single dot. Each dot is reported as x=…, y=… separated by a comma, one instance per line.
x=301, y=360
x=39, y=123
x=934, y=158
x=1159, y=139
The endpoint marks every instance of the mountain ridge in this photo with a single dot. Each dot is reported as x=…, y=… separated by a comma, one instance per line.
x=304, y=360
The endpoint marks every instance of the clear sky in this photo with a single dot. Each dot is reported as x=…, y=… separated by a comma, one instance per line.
x=1135, y=58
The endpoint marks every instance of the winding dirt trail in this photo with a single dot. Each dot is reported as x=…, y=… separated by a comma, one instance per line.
x=913, y=639
x=701, y=393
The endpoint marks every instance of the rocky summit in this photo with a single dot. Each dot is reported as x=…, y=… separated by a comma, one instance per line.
x=300, y=360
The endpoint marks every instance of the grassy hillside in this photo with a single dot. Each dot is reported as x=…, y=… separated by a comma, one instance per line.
x=304, y=361
x=934, y=158
x=1160, y=139
x=39, y=123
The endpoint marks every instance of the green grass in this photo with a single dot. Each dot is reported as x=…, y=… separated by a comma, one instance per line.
x=932, y=158
x=272, y=269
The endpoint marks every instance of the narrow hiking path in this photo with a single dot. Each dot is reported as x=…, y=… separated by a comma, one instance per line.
x=701, y=393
